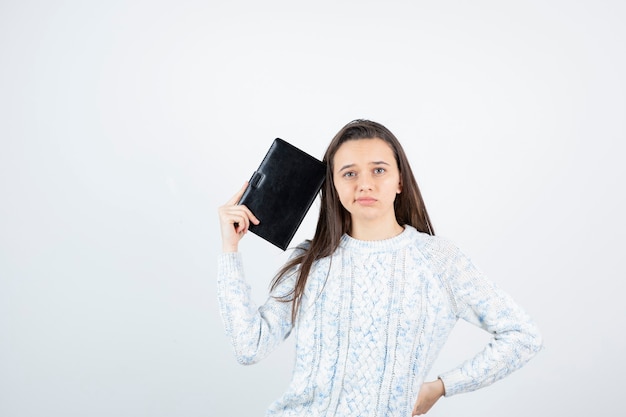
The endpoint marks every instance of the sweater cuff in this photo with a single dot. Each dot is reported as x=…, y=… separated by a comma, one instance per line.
x=230, y=265
x=454, y=382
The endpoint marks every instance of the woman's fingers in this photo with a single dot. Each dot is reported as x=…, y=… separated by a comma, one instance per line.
x=240, y=219
x=235, y=199
x=251, y=217
x=235, y=216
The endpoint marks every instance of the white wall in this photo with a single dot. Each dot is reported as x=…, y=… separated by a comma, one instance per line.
x=125, y=124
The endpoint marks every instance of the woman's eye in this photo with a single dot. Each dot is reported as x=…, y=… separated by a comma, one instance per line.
x=379, y=170
x=349, y=174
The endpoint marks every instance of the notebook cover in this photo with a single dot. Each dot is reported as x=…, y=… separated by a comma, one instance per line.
x=282, y=190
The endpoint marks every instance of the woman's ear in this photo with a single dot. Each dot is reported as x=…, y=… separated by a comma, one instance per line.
x=399, y=187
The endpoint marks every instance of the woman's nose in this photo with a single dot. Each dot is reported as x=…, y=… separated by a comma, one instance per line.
x=365, y=183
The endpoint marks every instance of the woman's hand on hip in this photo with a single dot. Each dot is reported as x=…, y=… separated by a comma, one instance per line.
x=429, y=393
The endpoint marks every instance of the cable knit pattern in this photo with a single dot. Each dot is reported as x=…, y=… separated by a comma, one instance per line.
x=373, y=319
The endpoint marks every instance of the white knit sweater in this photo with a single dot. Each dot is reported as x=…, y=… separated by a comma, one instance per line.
x=373, y=318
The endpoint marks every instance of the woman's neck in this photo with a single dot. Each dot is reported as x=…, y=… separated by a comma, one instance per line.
x=375, y=231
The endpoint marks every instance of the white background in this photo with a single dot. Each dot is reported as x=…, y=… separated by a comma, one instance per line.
x=125, y=124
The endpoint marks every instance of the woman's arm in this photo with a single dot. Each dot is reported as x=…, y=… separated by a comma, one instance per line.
x=516, y=337
x=254, y=332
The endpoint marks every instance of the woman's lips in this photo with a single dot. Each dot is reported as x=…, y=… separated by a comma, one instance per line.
x=366, y=201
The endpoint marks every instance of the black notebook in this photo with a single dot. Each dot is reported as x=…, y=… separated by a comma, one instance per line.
x=282, y=190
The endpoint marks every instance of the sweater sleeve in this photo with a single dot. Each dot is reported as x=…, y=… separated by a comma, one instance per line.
x=253, y=331
x=516, y=338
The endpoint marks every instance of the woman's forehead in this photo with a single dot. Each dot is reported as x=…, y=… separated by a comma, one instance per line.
x=363, y=151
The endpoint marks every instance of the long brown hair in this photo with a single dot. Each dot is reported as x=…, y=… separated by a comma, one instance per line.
x=334, y=220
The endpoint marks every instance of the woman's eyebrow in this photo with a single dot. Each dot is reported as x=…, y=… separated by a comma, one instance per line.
x=347, y=166
x=379, y=163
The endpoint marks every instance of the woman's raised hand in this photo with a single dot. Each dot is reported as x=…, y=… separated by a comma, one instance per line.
x=235, y=220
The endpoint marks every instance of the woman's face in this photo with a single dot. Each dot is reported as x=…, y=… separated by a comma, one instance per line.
x=367, y=179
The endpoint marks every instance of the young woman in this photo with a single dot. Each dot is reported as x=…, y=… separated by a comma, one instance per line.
x=372, y=297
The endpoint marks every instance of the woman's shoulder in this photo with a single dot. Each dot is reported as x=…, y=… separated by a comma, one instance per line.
x=424, y=238
x=433, y=245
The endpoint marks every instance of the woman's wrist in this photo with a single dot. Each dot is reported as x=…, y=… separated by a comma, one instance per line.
x=230, y=248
